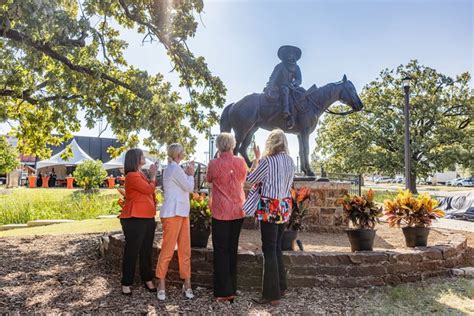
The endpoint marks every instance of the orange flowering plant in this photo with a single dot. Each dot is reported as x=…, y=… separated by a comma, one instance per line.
x=300, y=199
x=413, y=211
x=200, y=215
x=361, y=211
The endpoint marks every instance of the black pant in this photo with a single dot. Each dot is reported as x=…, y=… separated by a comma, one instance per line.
x=274, y=275
x=139, y=234
x=225, y=241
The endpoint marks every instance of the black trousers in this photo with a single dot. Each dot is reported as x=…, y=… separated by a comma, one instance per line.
x=139, y=234
x=225, y=241
x=274, y=275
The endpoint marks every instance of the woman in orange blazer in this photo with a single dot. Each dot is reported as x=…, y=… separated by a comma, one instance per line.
x=138, y=220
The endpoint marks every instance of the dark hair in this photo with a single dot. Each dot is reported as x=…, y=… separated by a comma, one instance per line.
x=132, y=160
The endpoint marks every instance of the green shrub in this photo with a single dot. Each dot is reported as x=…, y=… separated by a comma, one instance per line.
x=90, y=175
x=8, y=156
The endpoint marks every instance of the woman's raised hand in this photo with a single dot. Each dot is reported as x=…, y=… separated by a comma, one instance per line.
x=190, y=169
x=153, y=170
x=256, y=151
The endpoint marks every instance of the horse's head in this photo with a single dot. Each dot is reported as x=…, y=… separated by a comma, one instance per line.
x=349, y=95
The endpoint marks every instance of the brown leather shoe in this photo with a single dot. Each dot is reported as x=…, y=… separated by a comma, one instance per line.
x=265, y=301
x=225, y=299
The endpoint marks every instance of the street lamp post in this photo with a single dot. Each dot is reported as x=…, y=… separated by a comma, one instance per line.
x=406, y=111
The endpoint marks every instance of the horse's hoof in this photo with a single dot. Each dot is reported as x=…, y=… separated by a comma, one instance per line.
x=310, y=174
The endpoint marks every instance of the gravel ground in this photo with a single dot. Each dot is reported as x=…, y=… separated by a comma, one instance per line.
x=52, y=274
x=57, y=274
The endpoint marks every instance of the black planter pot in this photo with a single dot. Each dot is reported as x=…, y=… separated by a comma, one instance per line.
x=199, y=238
x=416, y=236
x=289, y=240
x=361, y=239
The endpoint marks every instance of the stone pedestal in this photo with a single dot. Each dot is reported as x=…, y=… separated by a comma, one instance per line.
x=322, y=214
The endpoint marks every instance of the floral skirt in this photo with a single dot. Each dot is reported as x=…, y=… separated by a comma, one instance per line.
x=275, y=211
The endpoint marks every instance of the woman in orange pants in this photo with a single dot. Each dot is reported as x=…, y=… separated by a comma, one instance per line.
x=174, y=214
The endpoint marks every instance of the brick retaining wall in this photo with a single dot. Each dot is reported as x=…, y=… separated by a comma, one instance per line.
x=308, y=269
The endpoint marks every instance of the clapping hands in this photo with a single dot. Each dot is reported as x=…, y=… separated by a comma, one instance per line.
x=153, y=170
x=190, y=169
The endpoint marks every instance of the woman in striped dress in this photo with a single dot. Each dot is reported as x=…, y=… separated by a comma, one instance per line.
x=273, y=176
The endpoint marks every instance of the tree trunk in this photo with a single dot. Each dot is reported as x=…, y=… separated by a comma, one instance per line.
x=413, y=183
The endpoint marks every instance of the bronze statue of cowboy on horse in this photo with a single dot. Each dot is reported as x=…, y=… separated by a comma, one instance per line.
x=285, y=80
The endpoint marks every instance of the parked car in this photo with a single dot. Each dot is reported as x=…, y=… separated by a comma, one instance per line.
x=398, y=179
x=468, y=182
x=383, y=180
x=453, y=182
x=441, y=177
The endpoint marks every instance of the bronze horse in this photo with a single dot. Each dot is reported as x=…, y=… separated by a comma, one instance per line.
x=252, y=112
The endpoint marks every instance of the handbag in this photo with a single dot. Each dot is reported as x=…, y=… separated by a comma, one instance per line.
x=251, y=203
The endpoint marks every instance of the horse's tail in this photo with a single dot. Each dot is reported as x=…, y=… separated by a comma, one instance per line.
x=225, y=122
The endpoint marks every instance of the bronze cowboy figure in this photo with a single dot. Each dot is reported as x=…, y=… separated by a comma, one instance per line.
x=285, y=78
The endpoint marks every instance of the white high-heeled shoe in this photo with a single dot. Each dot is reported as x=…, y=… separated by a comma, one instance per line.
x=188, y=293
x=161, y=295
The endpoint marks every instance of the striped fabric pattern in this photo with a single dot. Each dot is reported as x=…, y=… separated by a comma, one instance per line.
x=271, y=179
x=276, y=174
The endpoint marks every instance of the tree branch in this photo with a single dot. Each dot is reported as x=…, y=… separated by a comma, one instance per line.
x=25, y=95
x=47, y=50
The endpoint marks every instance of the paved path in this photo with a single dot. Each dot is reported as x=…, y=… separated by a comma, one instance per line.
x=454, y=224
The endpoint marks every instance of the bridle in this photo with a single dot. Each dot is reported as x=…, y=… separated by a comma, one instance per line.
x=337, y=113
x=314, y=104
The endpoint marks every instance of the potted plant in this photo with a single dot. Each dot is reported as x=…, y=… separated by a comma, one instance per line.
x=363, y=213
x=300, y=201
x=200, y=218
x=416, y=212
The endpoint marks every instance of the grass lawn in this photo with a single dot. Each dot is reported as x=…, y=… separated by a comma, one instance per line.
x=438, y=296
x=21, y=205
x=80, y=227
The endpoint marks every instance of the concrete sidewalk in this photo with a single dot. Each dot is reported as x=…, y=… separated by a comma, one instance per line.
x=454, y=224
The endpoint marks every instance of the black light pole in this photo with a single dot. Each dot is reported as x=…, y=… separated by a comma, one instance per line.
x=406, y=111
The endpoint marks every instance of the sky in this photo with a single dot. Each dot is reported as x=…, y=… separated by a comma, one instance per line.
x=240, y=39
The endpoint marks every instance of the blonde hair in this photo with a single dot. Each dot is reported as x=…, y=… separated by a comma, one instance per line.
x=174, y=150
x=276, y=143
x=225, y=142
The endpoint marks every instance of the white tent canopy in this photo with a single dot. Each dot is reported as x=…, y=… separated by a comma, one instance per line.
x=119, y=161
x=78, y=157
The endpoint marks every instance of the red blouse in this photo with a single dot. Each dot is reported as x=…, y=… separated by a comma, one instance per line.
x=140, y=199
x=227, y=175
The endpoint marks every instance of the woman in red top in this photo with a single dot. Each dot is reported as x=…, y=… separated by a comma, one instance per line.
x=138, y=220
x=227, y=175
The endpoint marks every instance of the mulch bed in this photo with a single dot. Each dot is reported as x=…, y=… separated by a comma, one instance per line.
x=52, y=274
x=55, y=274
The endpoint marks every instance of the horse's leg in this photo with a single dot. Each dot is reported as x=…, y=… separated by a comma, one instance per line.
x=301, y=151
x=307, y=168
x=239, y=137
x=245, y=144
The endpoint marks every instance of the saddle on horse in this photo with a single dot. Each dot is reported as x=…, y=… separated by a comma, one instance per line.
x=273, y=97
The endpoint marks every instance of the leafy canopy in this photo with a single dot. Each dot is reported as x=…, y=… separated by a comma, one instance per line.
x=372, y=141
x=59, y=57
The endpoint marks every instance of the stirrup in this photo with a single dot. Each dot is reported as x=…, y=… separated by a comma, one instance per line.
x=289, y=123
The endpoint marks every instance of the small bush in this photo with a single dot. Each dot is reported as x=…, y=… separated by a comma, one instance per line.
x=90, y=175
